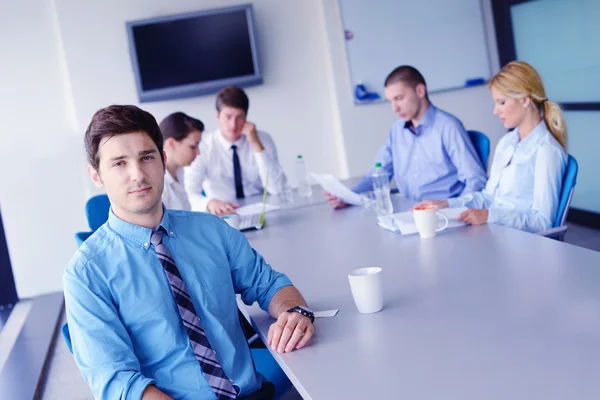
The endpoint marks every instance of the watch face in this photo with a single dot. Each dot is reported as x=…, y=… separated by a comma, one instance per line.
x=305, y=309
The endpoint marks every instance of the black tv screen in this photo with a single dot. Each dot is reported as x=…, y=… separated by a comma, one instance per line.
x=193, y=54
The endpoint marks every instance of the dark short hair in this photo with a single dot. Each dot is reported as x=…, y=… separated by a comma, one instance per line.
x=118, y=120
x=232, y=96
x=406, y=74
x=179, y=125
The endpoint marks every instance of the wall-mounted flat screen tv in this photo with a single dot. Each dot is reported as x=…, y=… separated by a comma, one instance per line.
x=195, y=53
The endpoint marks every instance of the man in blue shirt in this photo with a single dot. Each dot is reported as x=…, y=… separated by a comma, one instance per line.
x=150, y=296
x=428, y=151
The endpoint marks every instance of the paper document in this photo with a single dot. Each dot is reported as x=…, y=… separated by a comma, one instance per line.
x=255, y=208
x=326, y=314
x=404, y=222
x=337, y=188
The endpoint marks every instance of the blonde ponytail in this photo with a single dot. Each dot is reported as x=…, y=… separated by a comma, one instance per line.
x=555, y=122
x=519, y=80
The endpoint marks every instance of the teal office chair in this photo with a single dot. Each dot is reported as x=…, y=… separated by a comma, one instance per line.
x=559, y=228
x=482, y=146
x=96, y=211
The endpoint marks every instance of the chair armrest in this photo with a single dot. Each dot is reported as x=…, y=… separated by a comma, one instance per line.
x=560, y=230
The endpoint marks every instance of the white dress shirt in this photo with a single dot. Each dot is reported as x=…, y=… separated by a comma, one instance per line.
x=525, y=182
x=212, y=170
x=174, y=195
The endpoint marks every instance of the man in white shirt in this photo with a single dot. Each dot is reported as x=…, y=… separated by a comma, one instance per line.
x=234, y=161
x=181, y=134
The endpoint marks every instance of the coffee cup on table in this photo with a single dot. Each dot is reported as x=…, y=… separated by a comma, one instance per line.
x=426, y=219
x=367, y=289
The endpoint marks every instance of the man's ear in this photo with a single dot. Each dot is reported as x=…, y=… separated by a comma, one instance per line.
x=165, y=161
x=421, y=90
x=217, y=115
x=95, y=176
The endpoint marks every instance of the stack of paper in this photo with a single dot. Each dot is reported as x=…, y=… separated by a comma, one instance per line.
x=404, y=222
x=255, y=208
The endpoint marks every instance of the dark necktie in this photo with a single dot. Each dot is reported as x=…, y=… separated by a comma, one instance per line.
x=237, y=174
x=205, y=355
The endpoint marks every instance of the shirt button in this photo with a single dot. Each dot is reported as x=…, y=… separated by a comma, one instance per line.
x=415, y=157
x=146, y=244
x=171, y=233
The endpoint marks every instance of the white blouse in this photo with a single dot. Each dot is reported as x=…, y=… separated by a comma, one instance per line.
x=174, y=195
x=525, y=182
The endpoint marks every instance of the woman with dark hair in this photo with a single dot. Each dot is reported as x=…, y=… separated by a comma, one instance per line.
x=181, y=134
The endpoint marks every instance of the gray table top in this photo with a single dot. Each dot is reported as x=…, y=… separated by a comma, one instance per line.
x=481, y=312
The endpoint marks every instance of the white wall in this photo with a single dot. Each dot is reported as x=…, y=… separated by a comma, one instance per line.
x=295, y=103
x=40, y=156
x=366, y=126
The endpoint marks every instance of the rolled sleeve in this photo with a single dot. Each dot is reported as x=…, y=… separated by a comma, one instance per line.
x=101, y=345
x=268, y=165
x=252, y=276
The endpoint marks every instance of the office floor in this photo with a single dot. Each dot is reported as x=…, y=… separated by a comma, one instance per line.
x=583, y=237
x=65, y=383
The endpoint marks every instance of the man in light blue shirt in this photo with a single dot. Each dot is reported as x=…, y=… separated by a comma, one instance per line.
x=129, y=324
x=428, y=151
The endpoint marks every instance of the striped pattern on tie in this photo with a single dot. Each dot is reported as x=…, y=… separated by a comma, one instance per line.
x=206, y=356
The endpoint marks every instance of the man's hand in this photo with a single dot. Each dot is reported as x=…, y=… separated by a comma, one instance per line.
x=152, y=393
x=221, y=208
x=429, y=203
x=474, y=217
x=335, y=202
x=291, y=331
x=249, y=130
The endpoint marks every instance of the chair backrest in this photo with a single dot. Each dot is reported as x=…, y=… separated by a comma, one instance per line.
x=67, y=336
x=482, y=145
x=566, y=193
x=96, y=210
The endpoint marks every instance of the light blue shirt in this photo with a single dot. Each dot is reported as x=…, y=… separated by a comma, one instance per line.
x=124, y=324
x=525, y=182
x=435, y=163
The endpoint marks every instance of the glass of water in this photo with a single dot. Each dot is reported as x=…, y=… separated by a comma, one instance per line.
x=285, y=195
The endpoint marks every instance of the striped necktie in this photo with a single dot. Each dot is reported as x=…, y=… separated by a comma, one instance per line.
x=206, y=356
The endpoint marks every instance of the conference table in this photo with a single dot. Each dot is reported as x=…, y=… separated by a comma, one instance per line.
x=478, y=312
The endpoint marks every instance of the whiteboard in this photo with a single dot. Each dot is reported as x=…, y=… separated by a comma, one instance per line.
x=444, y=39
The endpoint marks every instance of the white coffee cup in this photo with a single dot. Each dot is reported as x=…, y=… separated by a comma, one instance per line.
x=426, y=219
x=367, y=289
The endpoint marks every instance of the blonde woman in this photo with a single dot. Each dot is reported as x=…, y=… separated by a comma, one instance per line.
x=527, y=172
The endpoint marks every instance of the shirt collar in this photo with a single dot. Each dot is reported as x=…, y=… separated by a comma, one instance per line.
x=532, y=139
x=226, y=144
x=170, y=179
x=138, y=234
x=427, y=119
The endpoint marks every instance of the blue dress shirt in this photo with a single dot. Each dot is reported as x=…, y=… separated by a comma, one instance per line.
x=435, y=161
x=124, y=323
x=525, y=182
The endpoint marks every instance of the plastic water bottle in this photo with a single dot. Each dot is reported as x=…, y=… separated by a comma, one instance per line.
x=381, y=188
x=304, y=188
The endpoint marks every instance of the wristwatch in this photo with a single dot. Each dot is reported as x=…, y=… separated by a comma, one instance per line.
x=304, y=311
